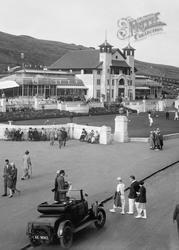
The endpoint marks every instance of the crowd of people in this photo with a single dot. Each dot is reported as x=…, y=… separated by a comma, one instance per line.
x=156, y=140
x=60, y=134
x=91, y=137
x=136, y=198
x=34, y=134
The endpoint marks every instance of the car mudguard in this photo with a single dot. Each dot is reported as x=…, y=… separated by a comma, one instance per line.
x=62, y=225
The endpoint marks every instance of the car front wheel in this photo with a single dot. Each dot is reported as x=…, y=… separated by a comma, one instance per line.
x=101, y=218
x=67, y=237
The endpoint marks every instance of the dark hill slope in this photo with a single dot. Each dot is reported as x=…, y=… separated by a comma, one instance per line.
x=37, y=51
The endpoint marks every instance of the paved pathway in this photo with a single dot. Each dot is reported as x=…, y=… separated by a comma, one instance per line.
x=124, y=232
x=91, y=167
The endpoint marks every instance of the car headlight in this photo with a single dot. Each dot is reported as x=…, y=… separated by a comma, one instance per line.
x=29, y=228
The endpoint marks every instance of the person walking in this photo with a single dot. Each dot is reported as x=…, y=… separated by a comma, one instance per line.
x=6, y=174
x=60, y=138
x=27, y=166
x=119, y=197
x=176, y=217
x=64, y=136
x=14, y=178
x=150, y=120
x=52, y=136
x=176, y=115
x=133, y=189
x=142, y=202
x=10, y=183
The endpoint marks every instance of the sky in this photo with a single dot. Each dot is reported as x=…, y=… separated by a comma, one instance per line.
x=86, y=22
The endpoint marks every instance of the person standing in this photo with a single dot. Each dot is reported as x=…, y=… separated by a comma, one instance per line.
x=27, y=166
x=176, y=217
x=6, y=174
x=152, y=140
x=55, y=189
x=14, y=178
x=119, y=198
x=167, y=115
x=61, y=187
x=64, y=136
x=60, y=138
x=161, y=140
x=142, y=202
x=134, y=188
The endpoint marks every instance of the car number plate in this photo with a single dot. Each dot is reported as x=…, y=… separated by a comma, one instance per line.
x=40, y=237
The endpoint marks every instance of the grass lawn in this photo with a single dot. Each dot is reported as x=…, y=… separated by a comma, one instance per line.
x=138, y=124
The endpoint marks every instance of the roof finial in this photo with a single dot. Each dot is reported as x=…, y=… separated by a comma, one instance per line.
x=105, y=35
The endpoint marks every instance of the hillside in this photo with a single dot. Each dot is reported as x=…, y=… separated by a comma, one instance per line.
x=37, y=51
x=158, y=70
x=43, y=52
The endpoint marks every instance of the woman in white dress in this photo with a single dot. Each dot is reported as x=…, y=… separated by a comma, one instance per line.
x=119, y=198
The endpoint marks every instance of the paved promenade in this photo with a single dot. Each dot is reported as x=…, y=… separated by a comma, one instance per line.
x=91, y=167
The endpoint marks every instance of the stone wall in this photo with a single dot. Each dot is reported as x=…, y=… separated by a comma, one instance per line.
x=73, y=130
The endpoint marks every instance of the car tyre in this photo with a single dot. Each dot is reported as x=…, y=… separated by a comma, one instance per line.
x=67, y=238
x=101, y=218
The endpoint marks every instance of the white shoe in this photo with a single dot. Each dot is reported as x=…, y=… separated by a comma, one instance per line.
x=143, y=217
x=138, y=216
x=112, y=210
x=129, y=212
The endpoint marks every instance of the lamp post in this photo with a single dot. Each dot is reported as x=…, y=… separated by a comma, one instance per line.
x=22, y=60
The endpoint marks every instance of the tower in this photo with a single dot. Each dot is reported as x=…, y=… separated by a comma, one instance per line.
x=129, y=55
x=105, y=58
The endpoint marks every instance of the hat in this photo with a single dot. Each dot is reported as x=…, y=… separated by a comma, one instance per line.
x=62, y=171
x=119, y=178
x=58, y=171
x=26, y=152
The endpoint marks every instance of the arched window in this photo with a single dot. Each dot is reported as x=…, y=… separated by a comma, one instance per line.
x=121, y=82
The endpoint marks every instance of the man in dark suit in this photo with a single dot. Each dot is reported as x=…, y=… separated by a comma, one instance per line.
x=6, y=173
x=61, y=187
x=134, y=188
x=176, y=216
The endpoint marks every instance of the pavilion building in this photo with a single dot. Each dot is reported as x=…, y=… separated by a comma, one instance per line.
x=108, y=73
x=28, y=83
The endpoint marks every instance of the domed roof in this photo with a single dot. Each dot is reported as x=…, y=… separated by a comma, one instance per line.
x=128, y=47
x=105, y=44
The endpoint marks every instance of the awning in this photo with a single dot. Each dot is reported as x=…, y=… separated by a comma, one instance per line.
x=142, y=87
x=71, y=87
x=8, y=84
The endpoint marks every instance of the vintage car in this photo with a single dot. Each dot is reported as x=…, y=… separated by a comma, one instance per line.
x=59, y=221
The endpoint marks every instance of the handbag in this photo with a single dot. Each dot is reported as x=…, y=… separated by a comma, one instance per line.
x=117, y=199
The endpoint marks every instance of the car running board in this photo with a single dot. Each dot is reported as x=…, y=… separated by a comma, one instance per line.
x=86, y=224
